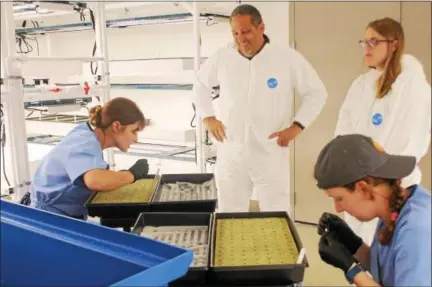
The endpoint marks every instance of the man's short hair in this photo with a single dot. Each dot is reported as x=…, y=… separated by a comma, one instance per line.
x=248, y=10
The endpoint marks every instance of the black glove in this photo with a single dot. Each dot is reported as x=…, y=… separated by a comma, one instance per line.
x=140, y=169
x=343, y=233
x=334, y=253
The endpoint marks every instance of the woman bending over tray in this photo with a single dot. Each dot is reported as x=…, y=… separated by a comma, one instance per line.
x=75, y=166
x=365, y=181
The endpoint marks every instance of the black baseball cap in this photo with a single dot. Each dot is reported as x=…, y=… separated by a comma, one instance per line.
x=349, y=158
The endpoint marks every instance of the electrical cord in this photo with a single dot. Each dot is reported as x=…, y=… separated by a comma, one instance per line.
x=22, y=40
x=93, y=70
x=216, y=92
x=82, y=15
x=210, y=22
x=32, y=110
x=194, y=116
x=3, y=144
x=83, y=105
x=92, y=63
x=38, y=12
x=3, y=161
x=28, y=116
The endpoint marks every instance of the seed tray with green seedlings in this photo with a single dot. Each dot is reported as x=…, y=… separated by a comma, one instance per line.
x=254, y=241
x=194, y=238
x=186, y=191
x=140, y=191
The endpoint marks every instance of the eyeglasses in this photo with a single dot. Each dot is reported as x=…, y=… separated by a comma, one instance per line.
x=372, y=43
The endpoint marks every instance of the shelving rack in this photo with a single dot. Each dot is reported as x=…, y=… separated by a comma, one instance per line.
x=147, y=150
x=13, y=95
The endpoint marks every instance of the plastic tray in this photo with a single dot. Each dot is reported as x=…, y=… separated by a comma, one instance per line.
x=117, y=210
x=44, y=249
x=183, y=206
x=196, y=275
x=260, y=274
x=125, y=223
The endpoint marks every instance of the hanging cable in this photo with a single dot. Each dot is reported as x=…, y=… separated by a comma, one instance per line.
x=24, y=47
x=84, y=105
x=82, y=15
x=32, y=110
x=194, y=116
x=28, y=116
x=93, y=70
x=216, y=95
x=42, y=13
x=3, y=144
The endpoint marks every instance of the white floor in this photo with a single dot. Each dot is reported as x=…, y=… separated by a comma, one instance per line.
x=318, y=273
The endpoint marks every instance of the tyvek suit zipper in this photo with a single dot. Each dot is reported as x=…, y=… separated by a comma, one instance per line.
x=248, y=103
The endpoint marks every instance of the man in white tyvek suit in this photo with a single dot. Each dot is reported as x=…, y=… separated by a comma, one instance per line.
x=400, y=121
x=254, y=124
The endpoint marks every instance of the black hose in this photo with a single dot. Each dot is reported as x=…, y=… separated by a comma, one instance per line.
x=3, y=143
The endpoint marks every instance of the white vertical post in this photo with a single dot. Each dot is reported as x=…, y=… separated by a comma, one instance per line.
x=197, y=63
x=48, y=45
x=102, y=51
x=16, y=136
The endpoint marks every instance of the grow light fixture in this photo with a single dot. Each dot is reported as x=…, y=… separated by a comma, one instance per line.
x=25, y=7
x=123, y=23
x=176, y=19
x=46, y=7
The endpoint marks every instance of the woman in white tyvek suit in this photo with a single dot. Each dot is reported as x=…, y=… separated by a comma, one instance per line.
x=391, y=103
x=254, y=123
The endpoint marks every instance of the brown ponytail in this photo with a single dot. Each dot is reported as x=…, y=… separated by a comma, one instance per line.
x=396, y=202
x=95, y=116
x=391, y=30
x=119, y=109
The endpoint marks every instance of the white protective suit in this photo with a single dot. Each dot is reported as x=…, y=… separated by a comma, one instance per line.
x=256, y=100
x=400, y=122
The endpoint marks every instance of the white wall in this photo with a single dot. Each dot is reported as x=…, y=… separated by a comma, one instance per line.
x=276, y=19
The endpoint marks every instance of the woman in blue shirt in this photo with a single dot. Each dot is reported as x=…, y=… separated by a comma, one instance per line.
x=75, y=166
x=365, y=181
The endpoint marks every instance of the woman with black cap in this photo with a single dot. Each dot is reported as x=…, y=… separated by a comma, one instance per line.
x=365, y=181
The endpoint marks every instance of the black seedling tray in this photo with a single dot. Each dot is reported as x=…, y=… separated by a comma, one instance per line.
x=117, y=210
x=256, y=275
x=125, y=223
x=183, y=206
x=195, y=275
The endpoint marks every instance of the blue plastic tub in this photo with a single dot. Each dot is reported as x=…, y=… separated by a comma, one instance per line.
x=43, y=249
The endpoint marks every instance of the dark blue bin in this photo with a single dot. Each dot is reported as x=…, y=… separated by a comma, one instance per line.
x=43, y=249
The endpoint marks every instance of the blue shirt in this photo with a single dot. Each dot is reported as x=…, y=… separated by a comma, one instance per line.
x=406, y=261
x=58, y=185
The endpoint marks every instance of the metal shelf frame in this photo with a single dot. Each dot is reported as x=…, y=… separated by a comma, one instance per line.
x=142, y=149
x=13, y=100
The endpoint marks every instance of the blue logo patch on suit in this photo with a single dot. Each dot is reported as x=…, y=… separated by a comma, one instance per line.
x=377, y=119
x=272, y=83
